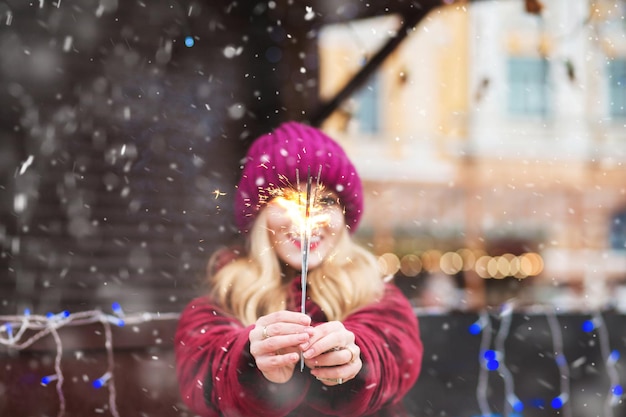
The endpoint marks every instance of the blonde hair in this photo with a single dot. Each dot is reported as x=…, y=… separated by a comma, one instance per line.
x=252, y=285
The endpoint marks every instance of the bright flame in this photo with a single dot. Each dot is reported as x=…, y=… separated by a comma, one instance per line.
x=294, y=204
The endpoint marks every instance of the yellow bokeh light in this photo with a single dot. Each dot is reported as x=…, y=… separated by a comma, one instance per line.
x=389, y=263
x=481, y=266
x=410, y=265
x=430, y=260
x=468, y=257
x=451, y=263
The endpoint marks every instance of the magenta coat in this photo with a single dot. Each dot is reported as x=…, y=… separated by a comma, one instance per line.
x=218, y=377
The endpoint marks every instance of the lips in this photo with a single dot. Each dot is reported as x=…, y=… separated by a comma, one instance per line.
x=314, y=242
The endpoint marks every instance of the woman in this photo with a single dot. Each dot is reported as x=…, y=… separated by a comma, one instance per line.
x=240, y=349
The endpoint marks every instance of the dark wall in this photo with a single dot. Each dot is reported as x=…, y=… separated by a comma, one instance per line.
x=121, y=146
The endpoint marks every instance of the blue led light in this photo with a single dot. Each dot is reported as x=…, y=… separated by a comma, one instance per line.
x=47, y=379
x=475, y=328
x=588, y=326
x=189, y=41
x=99, y=383
x=492, y=365
x=618, y=390
x=557, y=402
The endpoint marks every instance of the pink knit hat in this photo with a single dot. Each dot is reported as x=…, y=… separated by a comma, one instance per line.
x=274, y=158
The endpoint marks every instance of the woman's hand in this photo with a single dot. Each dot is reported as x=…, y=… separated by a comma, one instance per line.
x=331, y=354
x=275, y=343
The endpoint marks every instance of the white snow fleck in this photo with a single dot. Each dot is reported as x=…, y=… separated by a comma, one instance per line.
x=26, y=164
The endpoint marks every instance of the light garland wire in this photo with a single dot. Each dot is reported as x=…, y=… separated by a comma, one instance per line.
x=51, y=323
x=512, y=403
x=491, y=360
x=615, y=390
x=562, y=400
x=483, y=326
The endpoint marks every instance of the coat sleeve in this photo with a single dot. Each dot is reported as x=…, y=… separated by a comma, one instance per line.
x=387, y=333
x=216, y=373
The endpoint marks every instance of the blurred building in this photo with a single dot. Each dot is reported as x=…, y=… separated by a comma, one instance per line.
x=493, y=146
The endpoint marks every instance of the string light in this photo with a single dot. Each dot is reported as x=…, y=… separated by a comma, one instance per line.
x=13, y=336
x=512, y=402
x=99, y=383
x=483, y=325
x=560, y=401
x=612, y=356
x=494, y=360
x=526, y=265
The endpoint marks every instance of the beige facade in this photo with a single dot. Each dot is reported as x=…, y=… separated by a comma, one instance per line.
x=450, y=167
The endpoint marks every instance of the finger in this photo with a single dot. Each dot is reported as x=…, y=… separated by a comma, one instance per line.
x=331, y=375
x=328, y=338
x=271, y=345
x=355, y=352
x=261, y=334
x=332, y=381
x=336, y=329
x=268, y=362
x=335, y=357
x=284, y=316
x=281, y=328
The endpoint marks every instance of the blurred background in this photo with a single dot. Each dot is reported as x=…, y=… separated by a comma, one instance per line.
x=490, y=135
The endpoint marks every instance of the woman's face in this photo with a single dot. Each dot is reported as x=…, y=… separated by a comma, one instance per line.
x=285, y=226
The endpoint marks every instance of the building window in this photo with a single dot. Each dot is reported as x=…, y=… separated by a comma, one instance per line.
x=618, y=231
x=617, y=87
x=367, y=106
x=528, y=82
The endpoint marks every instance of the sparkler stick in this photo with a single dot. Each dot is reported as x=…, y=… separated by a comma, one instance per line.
x=306, y=239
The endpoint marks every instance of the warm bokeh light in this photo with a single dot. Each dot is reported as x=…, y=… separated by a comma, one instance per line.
x=451, y=263
x=469, y=258
x=410, y=265
x=481, y=266
x=430, y=260
x=389, y=263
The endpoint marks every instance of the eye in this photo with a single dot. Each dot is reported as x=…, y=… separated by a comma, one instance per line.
x=328, y=201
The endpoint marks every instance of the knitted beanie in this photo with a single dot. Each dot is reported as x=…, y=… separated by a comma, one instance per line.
x=285, y=156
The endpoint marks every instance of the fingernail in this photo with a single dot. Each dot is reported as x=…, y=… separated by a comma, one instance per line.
x=307, y=354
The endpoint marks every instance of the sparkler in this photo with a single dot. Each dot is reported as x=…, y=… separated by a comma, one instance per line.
x=305, y=233
x=306, y=215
